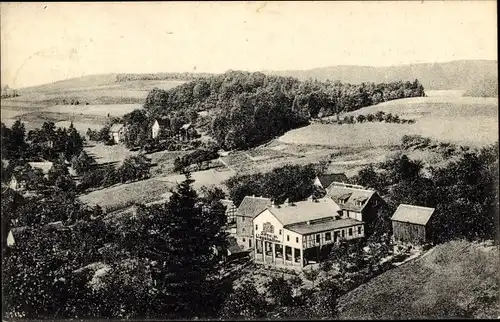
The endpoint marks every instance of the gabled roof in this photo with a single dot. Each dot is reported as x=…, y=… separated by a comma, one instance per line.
x=186, y=126
x=413, y=214
x=331, y=224
x=233, y=247
x=44, y=166
x=252, y=206
x=116, y=127
x=350, y=195
x=304, y=211
x=162, y=121
x=328, y=178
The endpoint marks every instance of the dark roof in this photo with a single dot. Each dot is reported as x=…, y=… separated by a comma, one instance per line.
x=327, y=179
x=304, y=211
x=233, y=247
x=413, y=214
x=116, y=127
x=350, y=195
x=252, y=206
x=162, y=121
x=317, y=227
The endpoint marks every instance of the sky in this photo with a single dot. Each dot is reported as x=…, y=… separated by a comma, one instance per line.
x=46, y=42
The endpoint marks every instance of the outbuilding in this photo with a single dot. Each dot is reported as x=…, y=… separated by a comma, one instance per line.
x=411, y=224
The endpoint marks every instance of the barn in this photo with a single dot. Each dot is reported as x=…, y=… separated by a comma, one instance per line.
x=411, y=224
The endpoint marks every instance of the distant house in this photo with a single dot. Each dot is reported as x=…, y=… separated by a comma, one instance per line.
x=230, y=210
x=356, y=202
x=44, y=166
x=16, y=235
x=159, y=125
x=325, y=180
x=250, y=207
x=117, y=132
x=17, y=184
x=411, y=224
x=187, y=132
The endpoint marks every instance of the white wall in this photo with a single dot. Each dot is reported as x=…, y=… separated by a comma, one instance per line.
x=264, y=217
x=293, y=235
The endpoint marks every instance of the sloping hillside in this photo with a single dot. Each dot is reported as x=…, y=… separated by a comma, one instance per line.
x=456, y=279
x=452, y=75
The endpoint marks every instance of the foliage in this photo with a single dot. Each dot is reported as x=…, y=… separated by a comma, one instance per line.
x=82, y=163
x=244, y=301
x=294, y=182
x=135, y=167
x=250, y=108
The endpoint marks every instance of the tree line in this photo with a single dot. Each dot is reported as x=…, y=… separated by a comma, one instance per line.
x=246, y=109
x=463, y=192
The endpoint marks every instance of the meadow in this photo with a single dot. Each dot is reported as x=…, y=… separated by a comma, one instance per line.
x=456, y=279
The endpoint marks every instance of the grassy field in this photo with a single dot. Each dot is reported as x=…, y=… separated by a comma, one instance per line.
x=456, y=279
x=125, y=195
x=82, y=116
x=150, y=190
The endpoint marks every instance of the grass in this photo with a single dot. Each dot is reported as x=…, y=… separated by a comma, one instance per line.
x=108, y=153
x=125, y=195
x=462, y=120
x=456, y=279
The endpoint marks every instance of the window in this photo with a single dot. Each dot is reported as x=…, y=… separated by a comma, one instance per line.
x=328, y=236
x=317, y=238
x=242, y=219
x=280, y=231
x=287, y=237
x=242, y=230
x=350, y=231
x=359, y=230
x=343, y=233
x=256, y=227
x=250, y=242
x=297, y=240
x=335, y=236
x=244, y=240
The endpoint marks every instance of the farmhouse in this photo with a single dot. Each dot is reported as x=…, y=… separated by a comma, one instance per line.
x=230, y=210
x=325, y=180
x=410, y=224
x=187, y=132
x=117, y=132
x=295, y=234
x=250, y=207
x=18, y=180
x=159, y=125
x=356, y=202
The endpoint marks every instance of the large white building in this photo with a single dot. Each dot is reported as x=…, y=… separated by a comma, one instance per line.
x=293, y=234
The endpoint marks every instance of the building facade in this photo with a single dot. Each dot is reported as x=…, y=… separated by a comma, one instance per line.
x=117, y=132
x=356, y=202
x=250, y=207
x=412, y=224
x=297, y=234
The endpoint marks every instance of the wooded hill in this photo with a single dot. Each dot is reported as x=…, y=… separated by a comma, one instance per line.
x=461, y=74
x=246, y=109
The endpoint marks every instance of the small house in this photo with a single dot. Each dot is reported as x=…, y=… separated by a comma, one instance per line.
x=411, y=224
x=325, y=180
x=187, y=132
x=230, y=210
x=117, y=132
x=250, y=207
x=356, y=202
x=159, y=125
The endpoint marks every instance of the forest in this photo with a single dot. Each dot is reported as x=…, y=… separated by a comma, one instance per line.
x=246, y=109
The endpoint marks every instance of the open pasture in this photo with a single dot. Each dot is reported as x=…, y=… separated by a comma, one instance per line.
x=461, y=120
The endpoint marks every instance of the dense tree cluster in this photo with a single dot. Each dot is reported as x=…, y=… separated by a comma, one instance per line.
x=463, y=192
x=200, y=156
x=249, y=108
x=46, y=143
x=294, y=182
x=380, y=116
x=67, y=262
